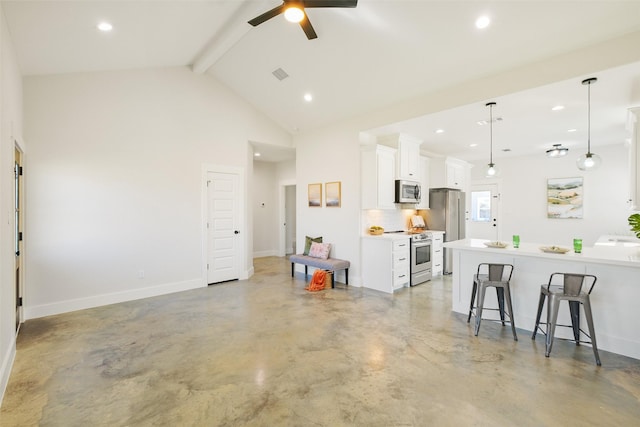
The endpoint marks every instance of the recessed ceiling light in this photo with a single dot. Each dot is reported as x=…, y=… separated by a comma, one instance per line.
x=473, y=145
x=439, y=130
x=308, y=97
x=557, y=108
x=105, y=26
x=572, y=130
x=256, y=154
x=483, y=22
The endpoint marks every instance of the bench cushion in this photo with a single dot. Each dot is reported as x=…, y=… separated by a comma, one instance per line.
x=331, y=264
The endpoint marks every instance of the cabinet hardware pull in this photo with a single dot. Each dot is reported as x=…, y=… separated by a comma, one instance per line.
x=401, y=259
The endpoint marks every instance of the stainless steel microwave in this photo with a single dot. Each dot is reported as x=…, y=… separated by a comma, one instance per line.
x=407, y=191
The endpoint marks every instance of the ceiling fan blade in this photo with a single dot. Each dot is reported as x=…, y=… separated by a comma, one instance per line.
x=330, y=3
x=308, y=28
x=267, y=15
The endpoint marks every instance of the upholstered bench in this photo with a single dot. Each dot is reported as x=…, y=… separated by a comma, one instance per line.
x=329, y=264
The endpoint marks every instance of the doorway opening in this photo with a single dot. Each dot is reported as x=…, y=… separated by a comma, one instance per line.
x=287, y=218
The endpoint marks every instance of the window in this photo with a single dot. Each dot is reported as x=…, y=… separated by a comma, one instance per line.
x=481, y=206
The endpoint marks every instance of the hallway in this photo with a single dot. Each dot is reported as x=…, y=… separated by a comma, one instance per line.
x=265, y=352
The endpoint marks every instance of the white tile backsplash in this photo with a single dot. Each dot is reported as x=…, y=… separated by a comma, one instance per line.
x=390, y=220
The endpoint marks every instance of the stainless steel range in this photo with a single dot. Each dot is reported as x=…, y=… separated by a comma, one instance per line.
x=420, y=258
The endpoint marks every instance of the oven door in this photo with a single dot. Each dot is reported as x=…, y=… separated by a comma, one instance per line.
x=420, y=256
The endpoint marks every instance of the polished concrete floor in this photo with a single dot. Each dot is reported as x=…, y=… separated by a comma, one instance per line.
x=265, y=352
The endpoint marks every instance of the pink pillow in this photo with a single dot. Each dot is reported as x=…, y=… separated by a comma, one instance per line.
x=320, y=250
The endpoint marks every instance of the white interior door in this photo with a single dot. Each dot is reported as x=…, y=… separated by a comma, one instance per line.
x=223, y=233
x=483, y=212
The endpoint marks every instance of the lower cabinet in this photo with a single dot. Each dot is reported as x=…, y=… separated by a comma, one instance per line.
x=437, y=254
x=385, y=263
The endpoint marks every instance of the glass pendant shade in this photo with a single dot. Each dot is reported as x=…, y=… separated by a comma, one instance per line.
x=588, y=161
x=491, y=171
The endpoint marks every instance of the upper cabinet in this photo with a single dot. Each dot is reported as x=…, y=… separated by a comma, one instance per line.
x=449, y=172
x=407, y=157
x=378, y=177
x=633, y=125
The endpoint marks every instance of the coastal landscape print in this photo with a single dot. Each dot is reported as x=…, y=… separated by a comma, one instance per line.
x=315, y=195
x=564, y=198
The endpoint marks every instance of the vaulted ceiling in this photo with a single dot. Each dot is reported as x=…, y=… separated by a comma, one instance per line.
x=376, y=55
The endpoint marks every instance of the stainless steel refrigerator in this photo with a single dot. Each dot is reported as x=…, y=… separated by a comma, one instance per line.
x=447, y=213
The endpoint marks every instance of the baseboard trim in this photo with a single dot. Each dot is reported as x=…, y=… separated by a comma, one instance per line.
x=106, y=299
x=7, y=364
x=261, y=254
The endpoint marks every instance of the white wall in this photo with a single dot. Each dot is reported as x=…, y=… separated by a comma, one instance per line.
x=523, y=196
x=10, y=134
x=115, y=183
x=265, y=209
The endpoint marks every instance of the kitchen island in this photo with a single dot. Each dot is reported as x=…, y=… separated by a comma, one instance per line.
x=614, y=299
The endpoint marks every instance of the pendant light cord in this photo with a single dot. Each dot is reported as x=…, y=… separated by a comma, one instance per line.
x=491, y=133
x=589, y=118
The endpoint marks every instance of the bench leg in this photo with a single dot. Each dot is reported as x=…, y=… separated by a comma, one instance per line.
x=346, y=275
x=292, y=265
x=305, y=271
x=333, y=279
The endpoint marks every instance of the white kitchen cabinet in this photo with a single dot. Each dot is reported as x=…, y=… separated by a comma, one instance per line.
x=424, y=181
x=633, y=126
x=385, y=263
x=449, y=172
x=407, y=157
x=378, y=177
x=437, y=253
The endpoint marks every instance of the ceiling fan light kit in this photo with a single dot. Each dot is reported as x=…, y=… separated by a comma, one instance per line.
x=294, y=11
x=588, y=161
x=557, y=151
x=492, y=170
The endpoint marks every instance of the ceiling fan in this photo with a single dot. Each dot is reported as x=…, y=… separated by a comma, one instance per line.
x=294, y=11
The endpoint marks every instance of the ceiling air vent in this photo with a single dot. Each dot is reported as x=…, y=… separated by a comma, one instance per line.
x=280, y=74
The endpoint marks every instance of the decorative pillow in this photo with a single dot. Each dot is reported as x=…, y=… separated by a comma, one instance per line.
x=307, y=243
x=320, y=250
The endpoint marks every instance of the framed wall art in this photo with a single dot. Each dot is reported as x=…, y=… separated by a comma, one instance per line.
x=333, y=194
x=564, y=198
x=315, y=195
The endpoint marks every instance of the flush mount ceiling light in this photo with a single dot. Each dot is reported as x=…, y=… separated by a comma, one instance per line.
x=492, y=169
x=588, y=161
x=483, y=22
x=105, y=26
x=557, y=151
x=308, y=97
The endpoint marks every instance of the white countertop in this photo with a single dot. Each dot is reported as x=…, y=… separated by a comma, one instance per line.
x=612, y=255
x=397, y=236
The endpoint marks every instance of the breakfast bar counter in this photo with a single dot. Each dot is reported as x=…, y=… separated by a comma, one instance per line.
x=614, y=299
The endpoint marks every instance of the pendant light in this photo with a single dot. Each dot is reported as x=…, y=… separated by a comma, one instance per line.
x=492, y=169
x=589, y=161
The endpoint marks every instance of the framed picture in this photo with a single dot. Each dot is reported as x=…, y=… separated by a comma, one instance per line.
x=315, y=195
x=564, y=198
x=333, y=195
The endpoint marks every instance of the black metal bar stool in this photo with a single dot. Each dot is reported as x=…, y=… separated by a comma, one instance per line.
x=567, y=287
x=497, y=276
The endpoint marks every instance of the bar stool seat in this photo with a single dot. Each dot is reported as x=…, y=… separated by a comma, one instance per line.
x=497, y=276
x=567, y=287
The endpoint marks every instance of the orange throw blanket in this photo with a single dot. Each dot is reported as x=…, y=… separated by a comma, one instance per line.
x=317, y=281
